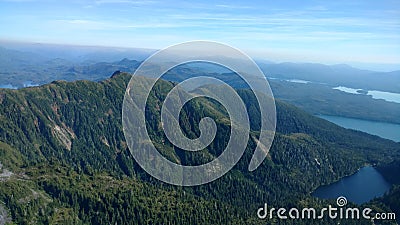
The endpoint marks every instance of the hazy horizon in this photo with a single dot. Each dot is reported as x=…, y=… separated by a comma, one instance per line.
x=19, y=46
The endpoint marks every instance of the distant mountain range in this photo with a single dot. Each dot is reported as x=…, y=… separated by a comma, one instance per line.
x=40, y=64
x=76, y=53
x=22, y=69
x=335, y=75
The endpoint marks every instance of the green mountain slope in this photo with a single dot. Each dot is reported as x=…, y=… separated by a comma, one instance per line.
x=64, y=144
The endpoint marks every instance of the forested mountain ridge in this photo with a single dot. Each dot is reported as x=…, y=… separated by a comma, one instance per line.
x=64, y=144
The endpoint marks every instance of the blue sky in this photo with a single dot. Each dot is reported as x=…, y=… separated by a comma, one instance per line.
x=366, y=31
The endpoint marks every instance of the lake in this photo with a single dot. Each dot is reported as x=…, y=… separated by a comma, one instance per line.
x=366, y=184
x=387, y=96
x=8, y=86
x=24, y=84
x=386, y=130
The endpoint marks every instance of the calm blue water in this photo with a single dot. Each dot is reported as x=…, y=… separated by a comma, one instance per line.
x=359, y=188
x=387, y=96
x=367, y=183
x=386, y=130
x=8, y=86
x=25, y=84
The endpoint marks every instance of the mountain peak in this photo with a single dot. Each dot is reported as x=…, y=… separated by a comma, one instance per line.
x=116, y=73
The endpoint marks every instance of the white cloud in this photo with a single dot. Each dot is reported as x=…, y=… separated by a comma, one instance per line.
x=131, y=2
x=234, y=6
